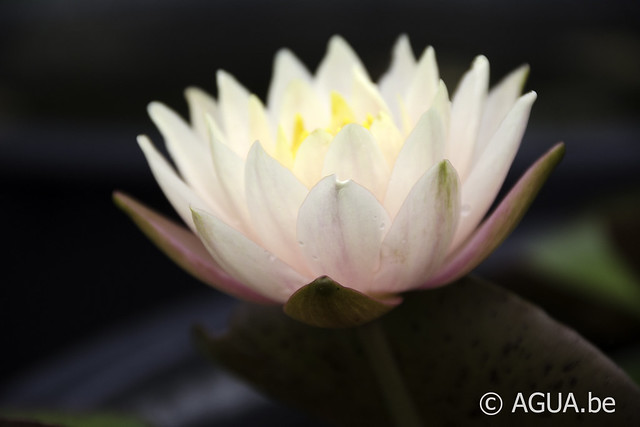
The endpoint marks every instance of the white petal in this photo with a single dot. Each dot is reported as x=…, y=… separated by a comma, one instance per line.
x=422, y=149
x=190, y=153
x=424, y=86
x=355, y=154
x=233, y=102
x=340, y=228
x=301, y=98
x=259, y=125
x=421, y=232
x=309, y=159
x=393, y=84
x=229, y=169
x=274, y=197
x=246, y=261
x=201, y=104
x=179, y=194
x=286, y=68
x=486, y=177
x=388, y=137
x=365, y=98
x=339, y=61
x=500, y=100
x=466, y=111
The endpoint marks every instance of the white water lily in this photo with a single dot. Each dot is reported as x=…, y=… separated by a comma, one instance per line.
x=382, y=187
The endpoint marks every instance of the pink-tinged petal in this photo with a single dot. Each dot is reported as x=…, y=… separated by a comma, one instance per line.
x=274, y=197
x=309, y=159
x=201, y=105
x=340, y=60
x=423, y=148
x=393, y=84
x=246, y=261
x=501, y=222
x=229, y=169
x=466, y=112
x=286, y=68
x=483, y=183
x=340, y=228
x=422, y=231
x=366, y=101
x=324, y=303
x=355, y=154
x=179, y=194
x=499, y=102
x=184, y=248
x=233, y=103
x=190, y=153
x=423, y=87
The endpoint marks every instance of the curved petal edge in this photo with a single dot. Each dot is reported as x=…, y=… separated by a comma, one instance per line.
x=183, y=247
x=500, y=223
x=325, y=303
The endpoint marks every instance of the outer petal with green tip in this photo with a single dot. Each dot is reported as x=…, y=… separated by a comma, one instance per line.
x=501, y=222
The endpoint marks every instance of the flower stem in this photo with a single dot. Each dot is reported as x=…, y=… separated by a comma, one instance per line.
x=394, y=391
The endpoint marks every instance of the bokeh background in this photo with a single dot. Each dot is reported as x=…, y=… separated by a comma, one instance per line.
x=75, y=79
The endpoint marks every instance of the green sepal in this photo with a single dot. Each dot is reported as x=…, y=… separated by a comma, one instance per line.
x=327, y=304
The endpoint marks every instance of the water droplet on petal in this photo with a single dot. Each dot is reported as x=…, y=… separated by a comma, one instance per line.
x=314, y=257
x=382, y=225
x=465, y=210
x=301, y=243
x=272, y=258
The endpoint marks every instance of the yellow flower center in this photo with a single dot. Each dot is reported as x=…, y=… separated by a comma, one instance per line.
x=341, y=115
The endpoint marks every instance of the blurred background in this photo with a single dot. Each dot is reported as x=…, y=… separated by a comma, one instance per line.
x=75, y=79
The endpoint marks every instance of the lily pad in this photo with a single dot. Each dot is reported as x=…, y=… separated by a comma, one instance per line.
x=449, y=347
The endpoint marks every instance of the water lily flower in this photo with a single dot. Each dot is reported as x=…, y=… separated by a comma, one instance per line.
x=338, y=185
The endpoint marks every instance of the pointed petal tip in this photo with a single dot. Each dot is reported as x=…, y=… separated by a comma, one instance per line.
x=283, y=52
x=154, y=108
x=196, y=214
x=524, y=68
x=192, y=92
x=527, y=99
x=144, y=142
x=223, y=76
x=480, y=61
x=119, y=198
x=556, y=153
x=336, y=39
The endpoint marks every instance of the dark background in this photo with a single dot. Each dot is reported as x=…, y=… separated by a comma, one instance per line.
x=76, y=76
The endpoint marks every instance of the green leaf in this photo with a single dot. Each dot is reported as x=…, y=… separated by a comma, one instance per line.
x=582, y=258
x=450, y=346
x=327, y=304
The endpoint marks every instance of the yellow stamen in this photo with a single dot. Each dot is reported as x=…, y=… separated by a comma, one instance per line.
x=341, y=113
x=368, y=121
x=299, y=134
